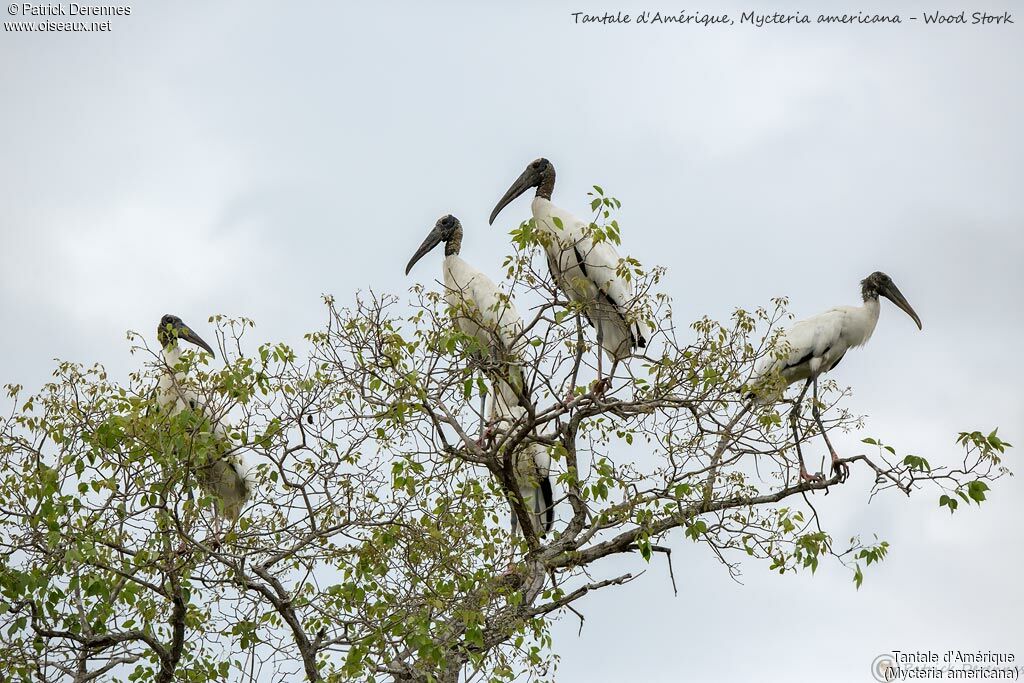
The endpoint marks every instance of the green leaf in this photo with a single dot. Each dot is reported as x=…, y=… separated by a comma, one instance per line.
x=696, y=529
x=917, y=463
x=947, y=501
x=976, y=490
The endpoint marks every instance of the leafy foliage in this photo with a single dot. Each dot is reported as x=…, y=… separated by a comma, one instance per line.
x=376, y=546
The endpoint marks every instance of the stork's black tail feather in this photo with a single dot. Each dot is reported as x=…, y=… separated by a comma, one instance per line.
x=549, y=504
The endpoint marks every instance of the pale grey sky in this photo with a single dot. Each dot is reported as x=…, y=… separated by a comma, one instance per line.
x=246, y=157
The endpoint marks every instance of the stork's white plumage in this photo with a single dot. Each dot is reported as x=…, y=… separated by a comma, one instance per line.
x=585, y=270
x=817, y=344
x=532, y=470
x=481, y=310
x=225, y=477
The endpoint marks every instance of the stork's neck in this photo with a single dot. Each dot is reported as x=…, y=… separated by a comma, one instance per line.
x=867, y=322
x=454, y=243
x=547, y=183
x=171, y=354
x=541, y=208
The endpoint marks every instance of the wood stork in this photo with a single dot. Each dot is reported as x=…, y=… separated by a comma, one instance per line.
x=585, y=270
x=226, y=477
x=481, y=311
x=817, y=344
x=531, y=466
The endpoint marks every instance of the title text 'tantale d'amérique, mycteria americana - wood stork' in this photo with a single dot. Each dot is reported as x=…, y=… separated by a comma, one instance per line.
x=481, y=311
x=586, y=271
x=817, y=344
x=530, y=465
x=225, y=477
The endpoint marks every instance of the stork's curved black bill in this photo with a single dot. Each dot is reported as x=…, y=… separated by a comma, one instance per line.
x=188, y=335
x=527, y=179
x=433, y=239
x=891, y=292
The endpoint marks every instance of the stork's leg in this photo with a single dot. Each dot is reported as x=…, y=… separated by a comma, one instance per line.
x=217, y=530
x=570, y=395
x=601, y=385
x=793, y=415
x=485, y=426
x=216, y=521
x=838, y=467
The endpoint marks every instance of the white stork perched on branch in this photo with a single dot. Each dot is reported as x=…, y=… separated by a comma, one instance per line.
x=817, y=344
x=587, y=271
x=531, y=467
x=225, y=477
x=481, y=311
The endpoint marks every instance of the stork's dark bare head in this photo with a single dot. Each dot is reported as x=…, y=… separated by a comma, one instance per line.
x=541, y=166
x=879, y=284
x=172, y=328
x=448, y=229
x=870, y=287
x=446, y=226
x=540, y=174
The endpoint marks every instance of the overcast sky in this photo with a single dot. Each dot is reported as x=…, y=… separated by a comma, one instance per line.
x=244, y=159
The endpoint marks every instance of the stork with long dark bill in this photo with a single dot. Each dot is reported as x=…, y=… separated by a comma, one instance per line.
x=225, y=477
x=482, y=312
x=817, y=344
x=585, y=270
